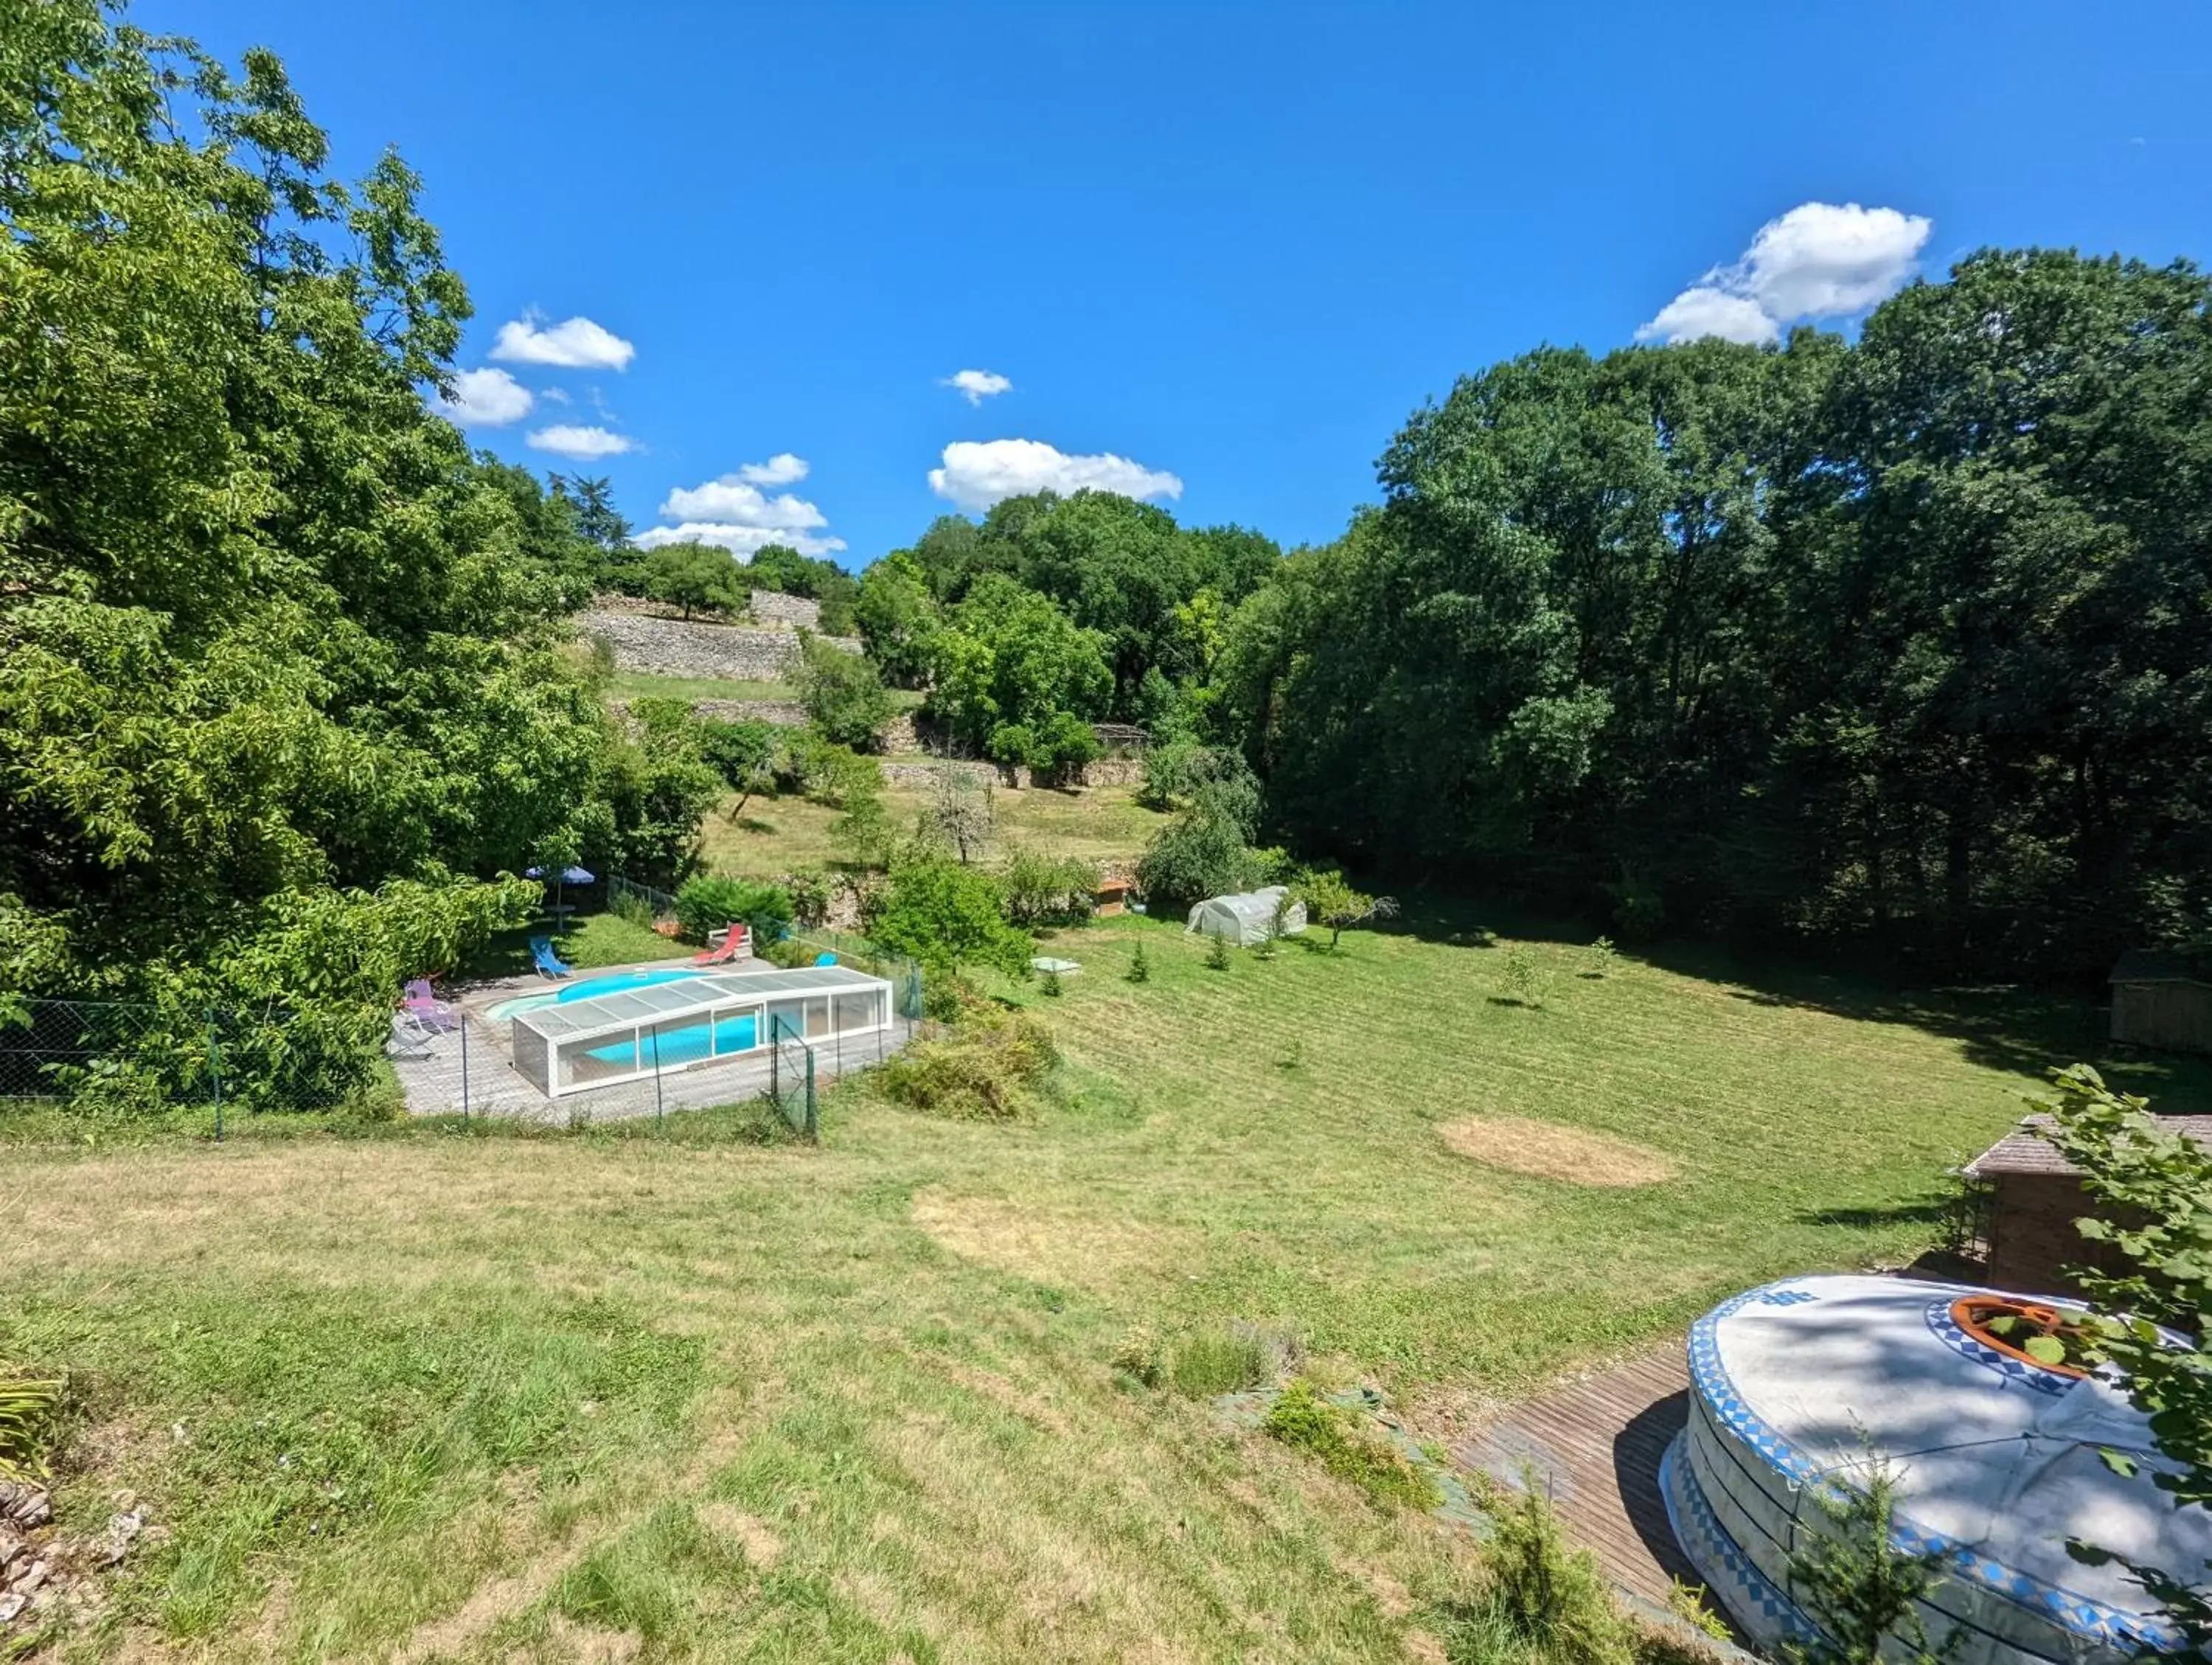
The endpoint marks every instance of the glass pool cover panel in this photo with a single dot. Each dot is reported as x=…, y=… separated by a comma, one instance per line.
x=613, y=1035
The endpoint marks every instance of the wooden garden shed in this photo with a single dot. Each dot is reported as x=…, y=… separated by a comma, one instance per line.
x=2161, y=1000
x=2030, y=1198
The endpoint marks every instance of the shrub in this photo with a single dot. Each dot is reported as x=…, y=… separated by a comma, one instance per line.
x=1302, y=1418
x=1195, y=856
x=1524, y=979
x=988, y=1069
x=947, y=997
x=1860, y=1587
x=707, y=904
x=1048, y=890
x=1217, y=954
x=810, y=897
x=1638, y=907
x=946, y=916
x=1141, y=966
x=1059, y=748
x=1551, y=1599
x=28, y=1409
x=1139, y=1356
x=845, y=698
x=827, y=773
x=1218, y=1362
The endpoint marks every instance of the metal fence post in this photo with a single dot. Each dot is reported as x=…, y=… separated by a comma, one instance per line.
x=214, y=1069
x=660, y=1114
x=465, y=1070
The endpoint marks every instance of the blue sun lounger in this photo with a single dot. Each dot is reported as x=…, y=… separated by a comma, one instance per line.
x=548, y=962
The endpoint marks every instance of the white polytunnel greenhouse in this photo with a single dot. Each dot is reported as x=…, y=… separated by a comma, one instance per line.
x=1997, y=1458
x=1247, y=920
x=627, y=1033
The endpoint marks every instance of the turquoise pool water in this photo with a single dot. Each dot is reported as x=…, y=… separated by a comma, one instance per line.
x=586, y=988
x=683, y=1046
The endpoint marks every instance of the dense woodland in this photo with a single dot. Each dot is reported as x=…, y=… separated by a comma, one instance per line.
x=1905, y=643
x=1901, y=645
x=285, y=679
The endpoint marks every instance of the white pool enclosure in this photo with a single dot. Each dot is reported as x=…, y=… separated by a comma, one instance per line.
x=629, y=1033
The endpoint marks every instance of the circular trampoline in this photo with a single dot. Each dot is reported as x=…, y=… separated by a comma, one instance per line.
x=1995, y=1454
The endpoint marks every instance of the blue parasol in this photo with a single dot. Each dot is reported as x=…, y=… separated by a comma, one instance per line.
x=566, y=876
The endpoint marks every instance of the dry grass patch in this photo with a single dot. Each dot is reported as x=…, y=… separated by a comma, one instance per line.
x=754, y=1535
x=1051, y=1246
x=1547, y=1149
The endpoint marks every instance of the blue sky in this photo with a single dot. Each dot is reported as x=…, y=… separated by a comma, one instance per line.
x=1232, y=245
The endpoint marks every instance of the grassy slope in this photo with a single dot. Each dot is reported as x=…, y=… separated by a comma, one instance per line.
x=784, y=834
x=638, y=686
x=496, y=1397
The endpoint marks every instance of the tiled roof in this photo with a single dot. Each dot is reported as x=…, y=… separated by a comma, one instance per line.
x=2147, y=965
x=2021, y=1153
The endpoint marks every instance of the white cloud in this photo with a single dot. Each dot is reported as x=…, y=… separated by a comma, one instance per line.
x=485, y=398
x=978, y=385
x=577, y=344
x=735, y=501
x=781, y=469
x=580, y=444
x=1705, y=311
x=733, y=513
x=1818, y=260
x=976, y=476
x=740, y=541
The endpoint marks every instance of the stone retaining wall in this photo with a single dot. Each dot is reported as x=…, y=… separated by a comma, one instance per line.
x=1106, y=772
x=787, y=713
x=670, y=647
x=774, y=607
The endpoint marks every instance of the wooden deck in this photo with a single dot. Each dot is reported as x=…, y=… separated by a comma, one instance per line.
x=1593, y=1448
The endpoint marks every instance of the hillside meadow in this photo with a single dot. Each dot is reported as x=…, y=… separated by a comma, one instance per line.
x=417, y=1394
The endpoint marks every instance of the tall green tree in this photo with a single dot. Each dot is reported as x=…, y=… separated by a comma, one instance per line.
x=697, y=578
x=1010, y=664
x=1896, y=644
x=283, y=692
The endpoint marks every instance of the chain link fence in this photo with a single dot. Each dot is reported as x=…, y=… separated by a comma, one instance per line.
x=641, y=904
x=103, y=1060
x=107, y=1058
x=468, y=1070
x=655, y=910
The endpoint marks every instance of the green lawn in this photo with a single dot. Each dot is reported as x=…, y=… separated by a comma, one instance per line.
x=637, y=685
x=641, y=685
x=425, y=1395
x=588, y=940
x=788, y=835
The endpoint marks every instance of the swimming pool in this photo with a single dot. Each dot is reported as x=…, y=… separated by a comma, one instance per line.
x=683, y=1045
x=587, y=987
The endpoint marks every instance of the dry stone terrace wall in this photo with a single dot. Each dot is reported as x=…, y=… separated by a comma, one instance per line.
x=670, y=647
x=656, y=647
x=774, y=607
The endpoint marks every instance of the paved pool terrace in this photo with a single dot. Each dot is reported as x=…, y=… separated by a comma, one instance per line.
x=486, y=1081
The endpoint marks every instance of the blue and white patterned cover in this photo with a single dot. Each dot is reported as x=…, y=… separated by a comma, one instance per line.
x=1795, y=1383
